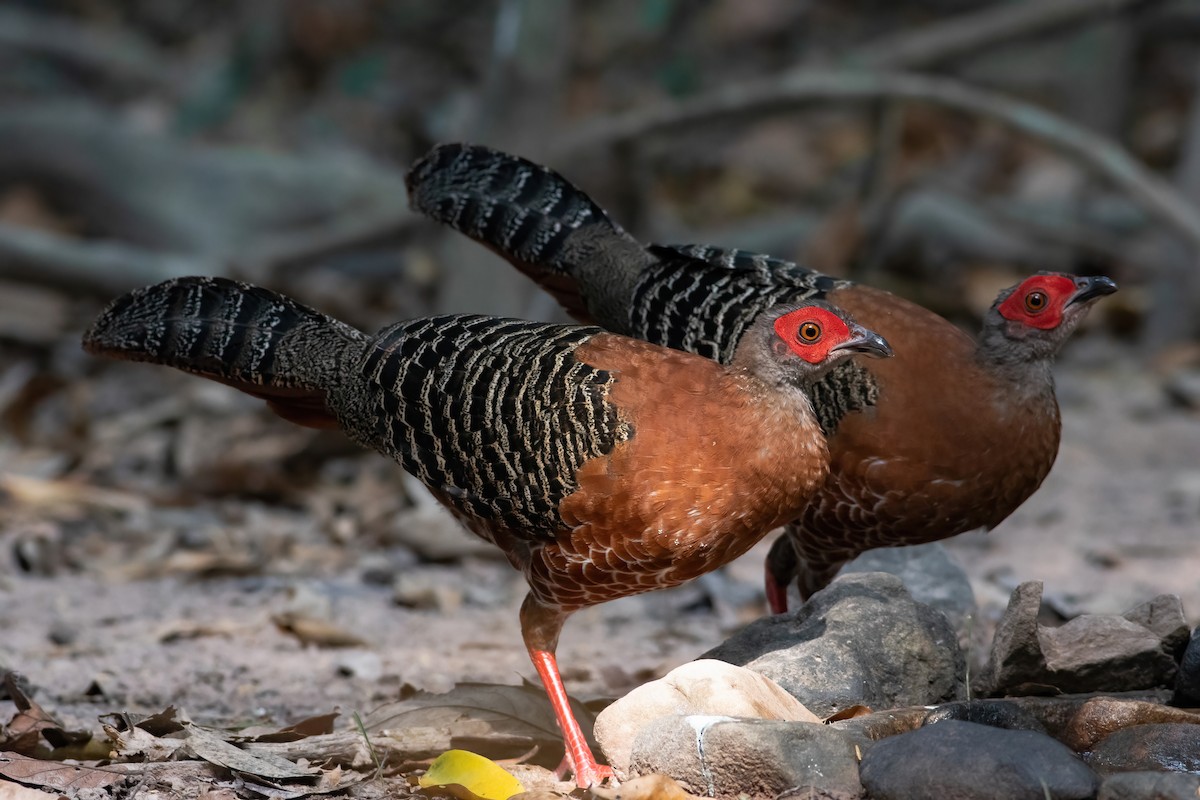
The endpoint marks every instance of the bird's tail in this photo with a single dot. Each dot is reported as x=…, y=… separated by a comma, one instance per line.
x=250, y=338
x=536, y=220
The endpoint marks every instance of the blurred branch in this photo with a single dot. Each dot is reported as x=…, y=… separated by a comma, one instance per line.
x=103, y=267
x=121, y=59
x=161, y=206
x=968, y=34
x=1176, y=272
x=522, y=92
x=808, y=87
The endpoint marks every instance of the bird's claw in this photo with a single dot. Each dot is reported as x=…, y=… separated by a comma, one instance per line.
x=588, y=775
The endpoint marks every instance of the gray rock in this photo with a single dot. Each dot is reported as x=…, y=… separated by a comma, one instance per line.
x=1150, y=786
x=1168, y=747
x=872, y=727
x=1187, y=686
x=1091, y=653
x=994, y=713
x=730, y=757
x=930, y=574
x=861, y=640
x=965, y=761
x=1164, y=617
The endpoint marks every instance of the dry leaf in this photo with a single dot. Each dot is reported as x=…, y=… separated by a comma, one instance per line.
x=184, y=629
x=311, y=630
x=647, y=787
x=312, y=726
x=470, y=776
x=523, y=710
x=55, y=494
x=495, y=720
x=206, y=744
x=850, y=712
x=53, y=775
x=32, y=723
x=15, y=791
x=141, y=745
x=542, y=794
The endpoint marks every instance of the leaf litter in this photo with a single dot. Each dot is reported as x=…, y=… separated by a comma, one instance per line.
x=422, y=736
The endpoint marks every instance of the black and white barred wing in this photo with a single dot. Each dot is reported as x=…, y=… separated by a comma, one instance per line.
x=701, y=299
x=495, y=415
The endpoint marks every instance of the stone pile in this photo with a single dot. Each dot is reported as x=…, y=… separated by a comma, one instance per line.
x=1099, y=707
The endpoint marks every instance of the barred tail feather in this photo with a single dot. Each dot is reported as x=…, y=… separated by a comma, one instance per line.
x=250, y=338
x=536, y=220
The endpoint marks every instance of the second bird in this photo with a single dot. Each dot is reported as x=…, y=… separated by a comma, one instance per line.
x=952, y=434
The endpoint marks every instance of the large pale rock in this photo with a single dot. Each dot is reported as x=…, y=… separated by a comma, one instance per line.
x=966, y=761
x=862, y=640
x=1091, y=653
x=731, y=758
x=704, y=687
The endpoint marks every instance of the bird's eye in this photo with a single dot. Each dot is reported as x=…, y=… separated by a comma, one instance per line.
x=809, y=332
x=1035, y=302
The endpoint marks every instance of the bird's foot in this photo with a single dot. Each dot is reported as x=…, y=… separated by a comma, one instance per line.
x=588, y=774
x=777, y=598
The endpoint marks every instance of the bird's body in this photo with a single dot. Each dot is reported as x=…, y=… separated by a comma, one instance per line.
x=953, y=434
x=601, y=466
x=947, y=444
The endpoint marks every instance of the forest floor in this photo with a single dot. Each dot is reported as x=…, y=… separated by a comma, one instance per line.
x=232, y=629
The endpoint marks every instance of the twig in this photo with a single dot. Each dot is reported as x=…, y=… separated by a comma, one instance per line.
x=874, y=193
x=102, y=267
x=362, y=731
x=195, y=210
x=968, y=34
x=737, y=101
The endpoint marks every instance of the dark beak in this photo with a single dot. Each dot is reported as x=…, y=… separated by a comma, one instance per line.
x=866, y=342
x=1091, y=288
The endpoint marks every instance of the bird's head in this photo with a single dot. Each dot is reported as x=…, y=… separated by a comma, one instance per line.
x=1031, y=320
x=797, y=344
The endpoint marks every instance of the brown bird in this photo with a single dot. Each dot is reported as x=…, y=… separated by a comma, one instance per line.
x=951, y=435
x=601, y=466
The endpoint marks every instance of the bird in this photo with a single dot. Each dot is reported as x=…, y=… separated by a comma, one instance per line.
x=601, y=466
x=950, y=435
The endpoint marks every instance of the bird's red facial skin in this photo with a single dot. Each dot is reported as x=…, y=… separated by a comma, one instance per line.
x=811, y=332
x=1039, y=301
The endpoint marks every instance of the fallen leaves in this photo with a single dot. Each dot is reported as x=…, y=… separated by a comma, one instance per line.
x=425, y=735
x=316, y=631
x=32, y=728
x=494, y=720
x=53, y=775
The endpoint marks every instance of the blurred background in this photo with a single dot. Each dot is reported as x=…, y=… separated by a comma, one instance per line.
x=938, y=148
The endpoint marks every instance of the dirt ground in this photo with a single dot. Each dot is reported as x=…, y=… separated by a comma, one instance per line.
x=97, y=625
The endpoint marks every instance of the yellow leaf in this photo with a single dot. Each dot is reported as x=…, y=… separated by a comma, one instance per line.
x=480, y=777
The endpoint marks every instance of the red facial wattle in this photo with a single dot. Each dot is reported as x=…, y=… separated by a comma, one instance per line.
x=1020, y=306
x=793, y=328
